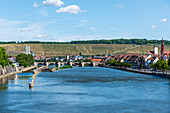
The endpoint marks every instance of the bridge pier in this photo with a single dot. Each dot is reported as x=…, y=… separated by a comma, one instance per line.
x=70, y=63
x=58, y=65
x=35, y=64
x=82, y=64
x=93, y=64
x=47, y=64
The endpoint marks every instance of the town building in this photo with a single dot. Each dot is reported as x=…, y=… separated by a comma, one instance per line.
x=27, y=50
x=156, y=49
x=67, y=57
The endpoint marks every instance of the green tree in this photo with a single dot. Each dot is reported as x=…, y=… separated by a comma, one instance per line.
x=113, y=62
x=23, y=63
x=3, y=57
x=153, y=66
x=161, y=65
x=80, y=54
x=30, y=60
x=21, y=57
x=25, y=58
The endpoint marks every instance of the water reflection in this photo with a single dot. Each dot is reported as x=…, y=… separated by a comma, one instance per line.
x=52, y=66
x=3, y=87
x=4, y=81
x=15, y=80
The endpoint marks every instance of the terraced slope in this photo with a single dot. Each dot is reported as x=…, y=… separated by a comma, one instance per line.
x=50, y=50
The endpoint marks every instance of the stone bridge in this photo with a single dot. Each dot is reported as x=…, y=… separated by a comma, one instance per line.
x=58, y=64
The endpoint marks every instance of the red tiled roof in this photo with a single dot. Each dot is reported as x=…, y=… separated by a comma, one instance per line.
x=150, y=52
x=150, y=58
x=96, y=60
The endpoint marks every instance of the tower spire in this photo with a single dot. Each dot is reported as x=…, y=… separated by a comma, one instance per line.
x=162, y=48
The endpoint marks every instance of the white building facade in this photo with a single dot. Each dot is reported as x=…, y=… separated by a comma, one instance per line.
x=27, y=50
x=156, y=49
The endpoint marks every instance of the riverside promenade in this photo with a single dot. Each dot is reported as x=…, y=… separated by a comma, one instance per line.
x=143, y=71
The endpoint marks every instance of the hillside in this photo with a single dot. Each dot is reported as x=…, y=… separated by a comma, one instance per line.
x=50, y=50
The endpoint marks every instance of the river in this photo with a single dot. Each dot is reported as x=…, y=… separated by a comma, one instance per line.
x=86, y=90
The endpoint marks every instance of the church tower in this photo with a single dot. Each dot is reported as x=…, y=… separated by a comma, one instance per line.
x=156, y=49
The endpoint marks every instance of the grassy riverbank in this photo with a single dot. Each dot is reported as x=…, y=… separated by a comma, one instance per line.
x=64, y=67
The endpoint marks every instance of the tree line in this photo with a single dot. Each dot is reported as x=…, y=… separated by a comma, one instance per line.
x=113, y=62
x=113, y=41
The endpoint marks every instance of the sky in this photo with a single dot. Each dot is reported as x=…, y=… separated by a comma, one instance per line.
x=68, y=20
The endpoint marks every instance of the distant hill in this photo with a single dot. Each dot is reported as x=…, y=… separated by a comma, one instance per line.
x=51, y=50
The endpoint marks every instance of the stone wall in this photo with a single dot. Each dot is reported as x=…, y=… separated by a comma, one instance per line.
x=1, y=71
x=6, y=70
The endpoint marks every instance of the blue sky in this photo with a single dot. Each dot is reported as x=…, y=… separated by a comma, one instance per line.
x=67, y=20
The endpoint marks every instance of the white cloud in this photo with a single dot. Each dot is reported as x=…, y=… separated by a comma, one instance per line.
x=72, y=9
x=42, y=36
x=35, y=4
x=76, y=37
x=92, y=28
x=25, y=29
x=119, y=6
x=153, y=26
x=20, y=30
x=56, y=3
x=7, y=23
x=164, y=20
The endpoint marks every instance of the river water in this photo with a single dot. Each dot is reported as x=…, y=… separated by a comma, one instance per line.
x=86, y=90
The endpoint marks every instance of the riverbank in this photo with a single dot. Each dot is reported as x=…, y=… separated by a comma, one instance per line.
x=16, y=72
x=154, y=73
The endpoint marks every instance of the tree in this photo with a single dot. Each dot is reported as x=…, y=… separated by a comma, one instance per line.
x=30, y=60
x=153, y=66
x=161, y=65
x=21, y=57
x=25, y=58
x=23, y=63
x=3, y=57
x=113, y=62
x=80, y=54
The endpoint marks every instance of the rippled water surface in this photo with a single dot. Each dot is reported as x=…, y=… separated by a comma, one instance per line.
x=86, y=90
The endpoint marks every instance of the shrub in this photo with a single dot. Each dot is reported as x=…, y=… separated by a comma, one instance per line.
x=13, y=65
x=66, y=66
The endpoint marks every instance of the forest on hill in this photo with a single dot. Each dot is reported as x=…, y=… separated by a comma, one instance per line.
x=113, y=41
